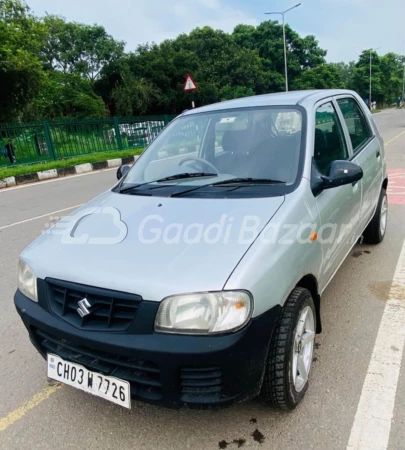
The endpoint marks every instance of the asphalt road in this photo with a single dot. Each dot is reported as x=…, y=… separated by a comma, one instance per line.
x=36, y=414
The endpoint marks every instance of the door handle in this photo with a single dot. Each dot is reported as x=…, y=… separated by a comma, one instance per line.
x=378, y=154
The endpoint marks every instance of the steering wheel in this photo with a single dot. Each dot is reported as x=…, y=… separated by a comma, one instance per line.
x=201, y=161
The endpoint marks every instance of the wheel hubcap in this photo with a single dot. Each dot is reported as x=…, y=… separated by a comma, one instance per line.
x=384, y=216
x=304, y=340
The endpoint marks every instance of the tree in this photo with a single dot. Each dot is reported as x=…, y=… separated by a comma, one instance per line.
x=345, y=73
x=21, y=37
x=361, y=76
x=231, y=92
x=303, y=52
x=322, y=77
x=133, y=96
x=53, y=68
x=77, y=48
x=392, y=73
x=213, y=57
x=65, y=95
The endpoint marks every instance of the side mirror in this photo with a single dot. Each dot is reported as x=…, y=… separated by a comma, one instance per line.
x=122, y=171
x=341, y=173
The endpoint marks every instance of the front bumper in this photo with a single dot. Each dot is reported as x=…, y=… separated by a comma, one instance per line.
x=163, y=369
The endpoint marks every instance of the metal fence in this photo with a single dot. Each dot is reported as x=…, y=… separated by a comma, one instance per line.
x=46, y=141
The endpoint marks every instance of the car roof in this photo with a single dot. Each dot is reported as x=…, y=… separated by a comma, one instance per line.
x=305, y=98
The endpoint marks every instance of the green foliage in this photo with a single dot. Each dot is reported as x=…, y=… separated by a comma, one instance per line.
x=133, y=95
x=51, y=68
x=230, y=92
x=361, y=76
x=78, y=48
x=303, y=52
x=249, y=61
x=387, y=74
x=21, y=37
x=65, y=95
x=345, y=72
x=392, y=76
x=325, y=76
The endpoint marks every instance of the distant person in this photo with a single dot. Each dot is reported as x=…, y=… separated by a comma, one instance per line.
x=399, y=102
x=10, y=152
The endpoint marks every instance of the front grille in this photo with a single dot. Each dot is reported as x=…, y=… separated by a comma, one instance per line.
x=108, y=310
x=143, y=375
x=200, y=383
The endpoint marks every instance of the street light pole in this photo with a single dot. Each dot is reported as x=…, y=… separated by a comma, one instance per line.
x=403, y=86
x=285, y=56
x=283, y=13
x=369, y=102
x=371, y=72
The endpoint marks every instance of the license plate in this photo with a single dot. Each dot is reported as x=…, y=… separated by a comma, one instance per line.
x=72, y=374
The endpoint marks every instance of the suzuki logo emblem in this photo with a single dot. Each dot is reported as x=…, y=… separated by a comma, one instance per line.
x=83, y=308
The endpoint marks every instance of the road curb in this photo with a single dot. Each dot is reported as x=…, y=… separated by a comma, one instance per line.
x=65, y=171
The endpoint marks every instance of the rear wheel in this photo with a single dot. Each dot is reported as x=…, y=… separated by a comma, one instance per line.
x=291, y=352
x=376, y=230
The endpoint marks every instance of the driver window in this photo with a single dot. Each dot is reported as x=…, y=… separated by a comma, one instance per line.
x=330, y=144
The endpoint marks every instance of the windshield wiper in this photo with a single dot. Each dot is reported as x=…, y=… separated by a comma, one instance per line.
x=252, y=181
x=239, y=181
x=178, y=176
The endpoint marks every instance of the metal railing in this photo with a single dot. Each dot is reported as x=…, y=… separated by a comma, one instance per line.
x=47, y=141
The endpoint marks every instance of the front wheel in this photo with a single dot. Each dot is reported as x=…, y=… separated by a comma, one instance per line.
x=375, y=232
x=291, y=351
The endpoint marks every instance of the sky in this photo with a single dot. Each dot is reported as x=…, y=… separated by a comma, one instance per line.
x=343, y=27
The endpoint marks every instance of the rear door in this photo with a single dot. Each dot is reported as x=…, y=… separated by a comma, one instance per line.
x=367, y=153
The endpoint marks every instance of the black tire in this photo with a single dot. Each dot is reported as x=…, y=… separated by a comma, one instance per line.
x=278, y=388
x=373, y=234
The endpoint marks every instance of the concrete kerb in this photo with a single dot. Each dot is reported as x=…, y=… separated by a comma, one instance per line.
x=65, y=171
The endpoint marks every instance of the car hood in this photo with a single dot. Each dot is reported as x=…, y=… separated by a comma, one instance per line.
x=151, y=246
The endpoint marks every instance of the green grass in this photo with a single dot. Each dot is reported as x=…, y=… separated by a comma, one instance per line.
x=91, y=158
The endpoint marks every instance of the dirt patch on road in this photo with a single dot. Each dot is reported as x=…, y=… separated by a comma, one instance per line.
x=384, y=290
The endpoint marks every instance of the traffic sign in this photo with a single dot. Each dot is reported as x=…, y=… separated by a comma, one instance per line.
x=190, y=84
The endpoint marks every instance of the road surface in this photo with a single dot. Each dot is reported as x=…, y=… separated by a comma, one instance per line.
x=36, y=414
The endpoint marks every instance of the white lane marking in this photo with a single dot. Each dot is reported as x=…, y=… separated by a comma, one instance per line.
x=372, y=424
x=394, y=138
x=39, y=217
x=40, y=183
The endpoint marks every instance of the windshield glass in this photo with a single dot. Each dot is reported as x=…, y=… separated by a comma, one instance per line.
x=262, y=143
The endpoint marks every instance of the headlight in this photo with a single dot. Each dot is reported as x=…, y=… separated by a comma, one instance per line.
x=204, y=313
x=27, y=282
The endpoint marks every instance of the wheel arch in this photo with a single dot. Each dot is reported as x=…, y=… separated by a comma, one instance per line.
x=311, y=283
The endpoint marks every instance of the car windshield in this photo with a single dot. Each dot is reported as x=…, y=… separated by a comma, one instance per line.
x=253, y=146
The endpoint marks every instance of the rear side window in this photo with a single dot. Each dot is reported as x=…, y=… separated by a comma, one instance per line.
x=330, y=144
x=357, y=124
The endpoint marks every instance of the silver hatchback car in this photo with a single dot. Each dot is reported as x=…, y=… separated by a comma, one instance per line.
x=197, y=279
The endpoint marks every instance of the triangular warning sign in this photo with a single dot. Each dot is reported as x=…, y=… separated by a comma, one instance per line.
x=190, y=84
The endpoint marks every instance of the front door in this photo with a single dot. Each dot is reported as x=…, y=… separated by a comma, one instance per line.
x=338, y=207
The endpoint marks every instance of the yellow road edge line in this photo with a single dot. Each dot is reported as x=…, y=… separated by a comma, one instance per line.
x=395, y=138
x=20, y=412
